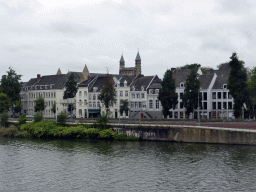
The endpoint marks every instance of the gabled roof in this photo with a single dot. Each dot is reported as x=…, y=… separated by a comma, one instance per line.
x=205, y=80
x=220, y=80
x=142, y=81
x=57, y=82
x=180, y=75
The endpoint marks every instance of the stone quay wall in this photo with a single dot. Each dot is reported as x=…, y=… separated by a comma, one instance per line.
x=191, y=134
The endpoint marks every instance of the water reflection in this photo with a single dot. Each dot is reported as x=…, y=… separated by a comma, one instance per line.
x=76, y=165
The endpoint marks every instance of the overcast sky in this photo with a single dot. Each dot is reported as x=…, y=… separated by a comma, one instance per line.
x=39, y=36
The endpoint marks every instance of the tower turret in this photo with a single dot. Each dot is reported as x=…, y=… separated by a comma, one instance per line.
x=138, y=64
x=122, y=63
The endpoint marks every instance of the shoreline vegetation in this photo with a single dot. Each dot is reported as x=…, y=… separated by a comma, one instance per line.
x=51, y=129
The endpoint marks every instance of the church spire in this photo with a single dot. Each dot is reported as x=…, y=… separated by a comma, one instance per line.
x=138, y=57
x=59, y=72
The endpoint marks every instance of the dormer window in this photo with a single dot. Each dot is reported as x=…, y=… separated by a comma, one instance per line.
x=41, y=87
x=125, y=83
x=142, y=88
x=157, y=90
x=133, y=88
x=224, y=86
x=182, y=84
x=151, y=91
x=95, y=89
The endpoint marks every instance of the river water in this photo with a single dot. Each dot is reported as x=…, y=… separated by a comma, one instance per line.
x=78, y=165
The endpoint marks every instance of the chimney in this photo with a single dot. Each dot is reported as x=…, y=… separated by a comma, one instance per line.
x=38, y=77
x=173, y=69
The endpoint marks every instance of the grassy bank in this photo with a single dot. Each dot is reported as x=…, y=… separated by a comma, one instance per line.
x=50, y=129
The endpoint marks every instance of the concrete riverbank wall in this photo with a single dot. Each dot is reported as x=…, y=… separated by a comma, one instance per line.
x=194, y=134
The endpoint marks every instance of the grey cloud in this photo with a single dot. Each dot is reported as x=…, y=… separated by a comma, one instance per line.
x=234, y=6
x=69, y=28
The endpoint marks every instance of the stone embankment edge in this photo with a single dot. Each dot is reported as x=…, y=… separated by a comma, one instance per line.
x=186, y=133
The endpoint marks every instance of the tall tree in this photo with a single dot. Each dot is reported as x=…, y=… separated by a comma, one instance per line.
x=237, y=84
x=18, y=106
x=70, y=87
x=191, y=66
x=10, y=86
x=124, y=107
x=4, y=102
x=107, y=93
x=71, y=90
x=252, y=86
x=39, y=104
x=167, y=94
x=190, y=96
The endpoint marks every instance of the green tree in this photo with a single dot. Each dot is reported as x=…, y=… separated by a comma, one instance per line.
x=237, y=84
x=252, y=86
x=167, y=94
x=39, y=104
x=4, y=102
x=191, y=66
x=53, y=109
x=108, y=94
x=70, y=90
x=124, y=107
x=190, y=96
x=10, y=85
x=18, y=106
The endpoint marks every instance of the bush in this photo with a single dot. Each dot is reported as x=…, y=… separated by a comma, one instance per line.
x=4, y=119
x=22, y=119
x=38, y=117
x=107, y=134
x=8, y=132
x=102, y=122
x=62, y=118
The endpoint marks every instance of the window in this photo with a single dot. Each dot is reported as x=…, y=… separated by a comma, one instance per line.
x=90, y=104
x=133, y=95
x=205, y=96
x=121, y=93
x=80, y=93
x=85, y=101
x=98, y=104
x=224, y=86
x=150, y=104
x=219, y=95
x=229, y=96
x=181, y=105
x=94, y=104
x=102, y=104
x=138, y=95
x=229, y=105
x=151, y=91
x=80, y=102
x=132, y=104
x=224, y=105
x=95, y=89
x=157, y=104
x=157, y=90
x=214, y=105
x=213, y=95
x=224, y=95
x=94, y=97
x=136, y=105
x=219, y=105
x=205, y=105
x=181, y=84
x=85, y=93
x=90, y=96
x=142, y=95
x=126, y=93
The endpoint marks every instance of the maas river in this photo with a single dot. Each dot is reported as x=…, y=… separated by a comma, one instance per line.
x=79, y=165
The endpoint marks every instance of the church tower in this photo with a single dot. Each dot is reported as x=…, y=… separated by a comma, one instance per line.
x=122, y=63
x=138, y=64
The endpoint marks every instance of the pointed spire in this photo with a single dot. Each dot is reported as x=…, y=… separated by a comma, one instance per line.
x=138, y=57
x=122, y=59
x=85, y=74
x=59, y=72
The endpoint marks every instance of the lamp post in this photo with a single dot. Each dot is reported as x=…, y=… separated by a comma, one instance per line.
x=198, y=107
